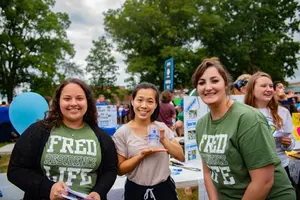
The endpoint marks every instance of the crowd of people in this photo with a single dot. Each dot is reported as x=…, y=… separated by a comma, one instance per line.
x=242, y=146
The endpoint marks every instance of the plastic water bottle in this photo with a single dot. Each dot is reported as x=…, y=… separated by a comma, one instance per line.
x=153, y=136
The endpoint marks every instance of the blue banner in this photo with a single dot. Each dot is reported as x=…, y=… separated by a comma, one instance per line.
x=169, y=74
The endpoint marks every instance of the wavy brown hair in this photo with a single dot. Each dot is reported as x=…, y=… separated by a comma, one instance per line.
x=212, y=62
x=54, y=117
x=272, y=105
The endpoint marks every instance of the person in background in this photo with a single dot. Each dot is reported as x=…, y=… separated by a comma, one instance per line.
x=284, y=99
x=147, y=168
x=101, y=101
x=179, y=124
x=167, y=112
x=261, y=96
x=121, y=114
x=297, y=99
x=66, y=149
x=5, y=124
x=240, y=85
x=127, y=111
x=172, y=98
x=237, y=150
x=4, y=116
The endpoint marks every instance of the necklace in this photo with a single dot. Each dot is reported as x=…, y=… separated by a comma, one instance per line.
x=71, y=131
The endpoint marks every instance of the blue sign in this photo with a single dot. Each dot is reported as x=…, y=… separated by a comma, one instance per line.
x=169, y=74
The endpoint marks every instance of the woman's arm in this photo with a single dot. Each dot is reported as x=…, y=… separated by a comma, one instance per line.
x=209, y=185
x=261, y=182
x=108, y=173
x=288, y=142
x=24, y=166
x=174, y=149
x=127, y=165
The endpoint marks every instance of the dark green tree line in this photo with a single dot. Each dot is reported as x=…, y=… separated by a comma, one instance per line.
x=247, y=36
x=33, y=42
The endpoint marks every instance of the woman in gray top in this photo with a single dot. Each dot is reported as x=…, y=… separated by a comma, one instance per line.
x=147, y=169
x=261, y=96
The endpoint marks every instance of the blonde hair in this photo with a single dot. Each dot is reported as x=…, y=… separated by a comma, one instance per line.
x=243, y=77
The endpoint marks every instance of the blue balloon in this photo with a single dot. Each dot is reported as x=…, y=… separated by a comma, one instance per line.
x=25, y=109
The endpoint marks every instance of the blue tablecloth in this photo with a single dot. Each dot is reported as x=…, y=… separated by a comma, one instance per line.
x=111, y=131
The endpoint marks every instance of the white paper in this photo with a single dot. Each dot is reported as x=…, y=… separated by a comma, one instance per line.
x=73, y=195
x=281, y=134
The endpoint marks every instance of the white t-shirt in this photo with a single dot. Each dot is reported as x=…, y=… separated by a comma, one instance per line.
x=286, y=128
x=151, y=170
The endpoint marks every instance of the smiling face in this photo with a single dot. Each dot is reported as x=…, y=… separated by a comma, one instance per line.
x=263, y=91
x=211, y=87
x=144, y=104
x=73, y=103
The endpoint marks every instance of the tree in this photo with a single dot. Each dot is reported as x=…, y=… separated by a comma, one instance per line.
x=46, y=85
x=148, y=32
x=251, y=35
x=32, y=41
x=247, y=36
x=102, y=65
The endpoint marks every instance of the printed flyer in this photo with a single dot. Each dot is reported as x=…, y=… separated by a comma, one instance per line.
x=194, y=109
x=107, y=116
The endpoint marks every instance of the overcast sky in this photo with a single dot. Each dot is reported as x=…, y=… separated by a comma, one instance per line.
x=87, y=25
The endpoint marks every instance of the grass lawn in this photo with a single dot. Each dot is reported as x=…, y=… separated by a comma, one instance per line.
x=4, y=159
x=5, y=143
x=183, y=196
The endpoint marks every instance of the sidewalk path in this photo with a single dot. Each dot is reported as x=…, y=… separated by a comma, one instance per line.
x=7, y=149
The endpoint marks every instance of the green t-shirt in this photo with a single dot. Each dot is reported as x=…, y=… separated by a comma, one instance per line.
x=72, y=156
x=236, y=143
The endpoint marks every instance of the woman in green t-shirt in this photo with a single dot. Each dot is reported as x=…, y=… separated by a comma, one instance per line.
x=238, y=152
x=67, y=150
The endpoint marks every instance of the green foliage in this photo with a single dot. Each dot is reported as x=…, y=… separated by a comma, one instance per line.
x=251, y=35
x=149, y=32
x=246, y=35
x=32, y=42
x=46, y=85
x=101, y=64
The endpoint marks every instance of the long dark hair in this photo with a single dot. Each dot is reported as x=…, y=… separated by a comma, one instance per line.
x=54, y=117
x=146, y=85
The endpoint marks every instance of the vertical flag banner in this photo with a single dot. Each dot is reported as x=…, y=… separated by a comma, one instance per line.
x=296, y=124
x=169, y=74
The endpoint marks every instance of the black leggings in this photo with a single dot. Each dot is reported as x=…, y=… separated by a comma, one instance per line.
x=288, y=172
x=163, y=191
